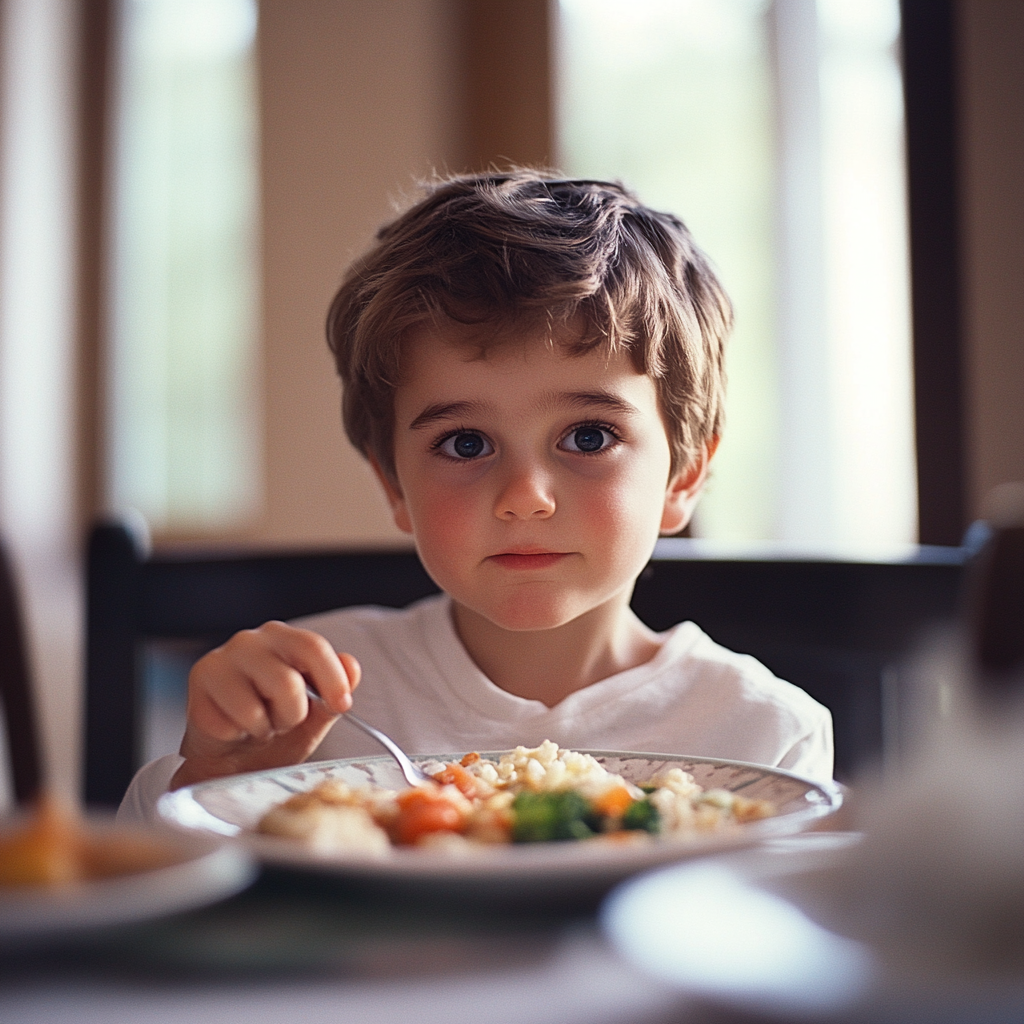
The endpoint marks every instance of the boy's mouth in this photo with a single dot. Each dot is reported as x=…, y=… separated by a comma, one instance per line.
x=528, y=559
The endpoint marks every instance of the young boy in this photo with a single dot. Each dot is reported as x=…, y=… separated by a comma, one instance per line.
x=534, y=368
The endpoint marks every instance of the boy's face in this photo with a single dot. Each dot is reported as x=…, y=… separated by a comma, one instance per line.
x=534, y=482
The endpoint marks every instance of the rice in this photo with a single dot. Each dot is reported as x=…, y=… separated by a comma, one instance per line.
x=530, y=794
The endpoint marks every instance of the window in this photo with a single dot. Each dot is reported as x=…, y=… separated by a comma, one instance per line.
x=183, y=421
x=775, y=130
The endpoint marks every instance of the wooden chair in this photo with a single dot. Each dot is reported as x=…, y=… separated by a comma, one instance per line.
x=838, y=629
x=16, y=690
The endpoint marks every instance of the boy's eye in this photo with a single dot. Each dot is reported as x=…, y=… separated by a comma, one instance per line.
x=465, y=445
x=588, y=439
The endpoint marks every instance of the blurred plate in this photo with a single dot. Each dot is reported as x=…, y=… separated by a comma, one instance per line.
x=234, y=805
x=204, y=869
x=718, y=930
x=773, y=932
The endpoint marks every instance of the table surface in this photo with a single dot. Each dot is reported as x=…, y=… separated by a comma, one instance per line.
x=310, y=948
x=314, y=948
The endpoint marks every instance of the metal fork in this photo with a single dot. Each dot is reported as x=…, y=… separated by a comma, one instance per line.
x=413, y=774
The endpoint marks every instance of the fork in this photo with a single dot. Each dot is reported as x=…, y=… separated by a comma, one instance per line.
x=413, y=774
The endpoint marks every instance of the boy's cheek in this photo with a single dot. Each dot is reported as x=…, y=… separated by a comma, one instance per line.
x=444, y=521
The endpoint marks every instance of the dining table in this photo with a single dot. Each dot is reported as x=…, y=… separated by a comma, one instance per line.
x=312, y=947
x=301, y=946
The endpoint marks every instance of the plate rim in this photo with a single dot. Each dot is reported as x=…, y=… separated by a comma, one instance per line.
x=180, y=809
x=210, y=871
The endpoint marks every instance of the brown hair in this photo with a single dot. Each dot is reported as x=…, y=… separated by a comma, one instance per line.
x=520, y=248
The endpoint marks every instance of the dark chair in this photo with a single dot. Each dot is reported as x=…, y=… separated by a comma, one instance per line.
x=16, y=690
x=834, y=628
x=841, y=630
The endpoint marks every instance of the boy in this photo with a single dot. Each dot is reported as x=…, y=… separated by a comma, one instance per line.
x=534, y=368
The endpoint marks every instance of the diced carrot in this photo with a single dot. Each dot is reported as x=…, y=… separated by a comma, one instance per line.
x=613, y=803
x=470, y=758
x=422, y=811
x=456, y=775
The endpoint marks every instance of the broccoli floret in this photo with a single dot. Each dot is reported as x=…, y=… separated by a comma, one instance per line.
x=546, y=817
x=642, y=816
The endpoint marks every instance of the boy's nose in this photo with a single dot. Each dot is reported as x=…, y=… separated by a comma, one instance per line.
x=526, y=494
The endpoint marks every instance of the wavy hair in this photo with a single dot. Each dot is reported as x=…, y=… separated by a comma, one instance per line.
x=522, y=248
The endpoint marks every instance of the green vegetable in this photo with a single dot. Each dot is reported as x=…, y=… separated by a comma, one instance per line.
x=547, y=817
x=642, y=816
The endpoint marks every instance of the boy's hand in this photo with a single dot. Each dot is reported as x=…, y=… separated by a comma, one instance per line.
x=248, y=707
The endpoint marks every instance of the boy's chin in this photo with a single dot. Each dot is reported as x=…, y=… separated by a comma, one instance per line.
x=530, y=617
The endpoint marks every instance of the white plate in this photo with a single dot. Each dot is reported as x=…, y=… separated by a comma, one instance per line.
x=207, y=870
x=716, y=930
x=769, y=931
x=234, y=805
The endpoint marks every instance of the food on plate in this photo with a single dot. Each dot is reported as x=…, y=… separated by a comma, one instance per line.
x=53, y=846
x=543, y=794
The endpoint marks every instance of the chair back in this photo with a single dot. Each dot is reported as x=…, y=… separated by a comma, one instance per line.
x=841, y=630
x=16, y=690
x=838, y=629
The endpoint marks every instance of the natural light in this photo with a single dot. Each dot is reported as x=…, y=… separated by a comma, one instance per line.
x=775, y=130
x=183, y=418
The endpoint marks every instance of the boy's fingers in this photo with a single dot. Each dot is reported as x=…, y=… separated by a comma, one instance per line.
x=333, y=676
x=265, y=667
x=309, y=734
x=255, y=685
x=224, y=682
x=206, y=758
x=206, y=717
x=238, y=702
x=352, y=668
x=282, y=690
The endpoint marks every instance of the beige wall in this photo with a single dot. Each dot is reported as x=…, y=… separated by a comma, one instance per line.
x=358, y=100
x=991, y=38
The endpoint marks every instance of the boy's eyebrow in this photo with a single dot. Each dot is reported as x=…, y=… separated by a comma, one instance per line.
x=559, y=399
x=584, y=399
x=443, y=411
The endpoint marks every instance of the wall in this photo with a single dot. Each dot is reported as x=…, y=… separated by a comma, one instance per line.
x=359, y=99
x=991, y=40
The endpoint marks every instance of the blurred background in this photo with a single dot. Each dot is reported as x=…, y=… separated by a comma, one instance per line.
x=182, y=183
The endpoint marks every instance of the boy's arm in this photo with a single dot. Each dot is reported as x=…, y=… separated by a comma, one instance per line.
x=249, y=706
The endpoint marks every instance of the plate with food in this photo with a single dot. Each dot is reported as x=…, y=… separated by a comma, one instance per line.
x=61, y=872
x=541, y=813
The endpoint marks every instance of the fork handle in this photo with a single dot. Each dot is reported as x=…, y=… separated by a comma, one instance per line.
x=414, y=775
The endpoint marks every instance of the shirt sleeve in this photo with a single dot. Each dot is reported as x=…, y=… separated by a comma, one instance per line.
x=150, y=783
x=812, y=755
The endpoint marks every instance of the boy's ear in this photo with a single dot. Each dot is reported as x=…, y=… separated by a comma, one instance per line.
x=684, y=490
x=396, y=500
